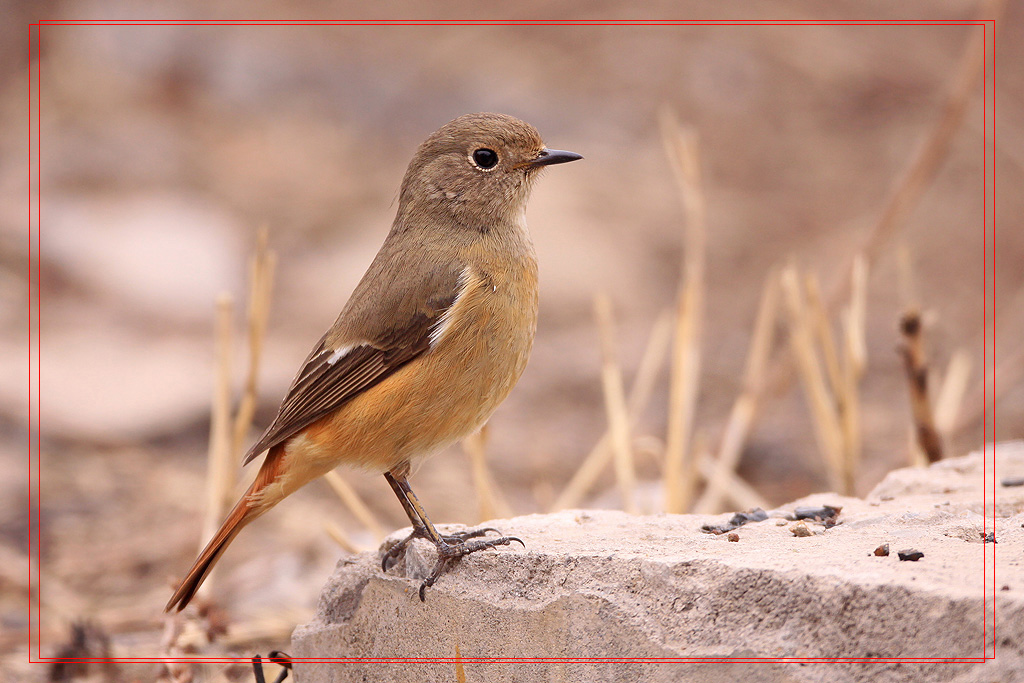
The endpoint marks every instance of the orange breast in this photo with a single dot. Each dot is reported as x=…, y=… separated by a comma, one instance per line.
x=441, y=396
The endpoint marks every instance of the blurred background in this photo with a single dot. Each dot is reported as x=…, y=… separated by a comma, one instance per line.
x=165, y=149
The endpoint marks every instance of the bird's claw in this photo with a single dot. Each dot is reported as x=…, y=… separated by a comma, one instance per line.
x=449, y=554
x=451, y=548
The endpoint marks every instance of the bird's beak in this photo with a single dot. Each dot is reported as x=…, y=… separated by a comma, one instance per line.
x=548, y=157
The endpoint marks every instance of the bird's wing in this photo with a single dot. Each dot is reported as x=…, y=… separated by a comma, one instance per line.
x=381, y=329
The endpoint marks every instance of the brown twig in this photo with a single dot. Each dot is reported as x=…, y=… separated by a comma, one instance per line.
x=912, y=350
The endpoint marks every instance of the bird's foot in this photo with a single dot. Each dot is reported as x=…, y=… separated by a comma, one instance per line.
x=450, y=549
x=448, y=552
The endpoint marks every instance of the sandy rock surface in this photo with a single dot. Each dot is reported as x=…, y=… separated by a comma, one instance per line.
x=601, y=584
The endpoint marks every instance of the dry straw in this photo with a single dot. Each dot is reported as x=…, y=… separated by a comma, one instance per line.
x=490, y=502
x=720, y=476
x=615, y=405
x=600, y=456
x=682, y=148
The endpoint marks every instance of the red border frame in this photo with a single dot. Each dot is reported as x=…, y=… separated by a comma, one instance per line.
x=35, y=202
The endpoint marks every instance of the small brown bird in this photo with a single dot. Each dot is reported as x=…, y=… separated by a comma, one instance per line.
x=434, y=337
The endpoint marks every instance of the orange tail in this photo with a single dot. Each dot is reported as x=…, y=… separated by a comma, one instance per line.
x=244, y=511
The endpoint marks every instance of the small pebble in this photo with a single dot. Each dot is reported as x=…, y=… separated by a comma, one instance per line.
x=733, y=537
x=1005, y=588
x=882, y=550
x=1013, y=481
x=800, y=530
x=990, y=537
x=910, y=555
x=781, y=522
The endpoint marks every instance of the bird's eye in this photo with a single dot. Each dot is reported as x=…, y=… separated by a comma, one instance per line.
x=485, y=158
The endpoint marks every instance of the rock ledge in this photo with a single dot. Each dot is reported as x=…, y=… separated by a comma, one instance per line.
x=603, y=584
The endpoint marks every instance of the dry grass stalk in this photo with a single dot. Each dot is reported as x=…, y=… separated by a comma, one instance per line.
x=601, y=455
x=912, y=350
x=737, y=492
x=910, y=187
x=615, y=405
x=854, y=364
x=225, y=437
x=339, y=536
x=681, y=145
x=951, y=393
x=737, y=429
x=490, y=503
x=220, y=462
x=820, y=401
x=354, y=504
x=261, y=282
x=844, y=377
x=823, y=334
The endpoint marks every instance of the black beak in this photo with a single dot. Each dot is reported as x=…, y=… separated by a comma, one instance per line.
x=548, y=157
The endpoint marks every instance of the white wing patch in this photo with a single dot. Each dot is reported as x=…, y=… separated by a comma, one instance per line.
x=440, y=328
x=337, y=354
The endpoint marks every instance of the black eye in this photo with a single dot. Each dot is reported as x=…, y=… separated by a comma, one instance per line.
x=485, y=158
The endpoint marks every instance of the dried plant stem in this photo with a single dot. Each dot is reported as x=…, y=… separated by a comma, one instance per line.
x=744, y=409
x=682, y=148
x=854, y=364
x=951, y=394
x=490, y=503
x=909, y=188
x=823, y=334
x=355, y=504
x=261, y=282
x=339, y=536
x=737, y=491
x=600, y=456
x=220, y=477
x=912, y=350
x=615, y=405
x=823, y=413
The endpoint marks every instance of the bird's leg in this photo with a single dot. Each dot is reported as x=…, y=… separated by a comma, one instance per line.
x=450, y=547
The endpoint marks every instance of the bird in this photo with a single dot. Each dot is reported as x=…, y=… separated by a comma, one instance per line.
x=432, y=339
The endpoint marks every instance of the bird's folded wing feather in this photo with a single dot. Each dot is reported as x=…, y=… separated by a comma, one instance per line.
x=375, y=335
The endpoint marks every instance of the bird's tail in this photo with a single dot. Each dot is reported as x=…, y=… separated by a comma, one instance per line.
x=250, y=506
